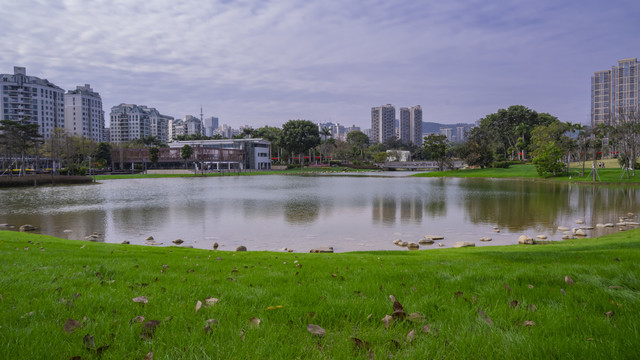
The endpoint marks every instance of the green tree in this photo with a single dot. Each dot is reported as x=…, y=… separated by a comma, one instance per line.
x=436, y=148
x=358, y=141
x=19, y=137
x=154, y=155
x=555, y=132
x=102, y=153
x=326, y=135
x=478, y=149
x=298, y=136
x=549, y=159
x=185, y=153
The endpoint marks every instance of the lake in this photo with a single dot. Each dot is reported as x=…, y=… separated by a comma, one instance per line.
x=302, y=212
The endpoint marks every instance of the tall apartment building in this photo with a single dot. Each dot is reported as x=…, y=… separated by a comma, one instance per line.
x=83, y=114
x=410, y=125
x=30, y=98
x=383, y=123
x=615, y=93
x=130, y=122
x=210, y=125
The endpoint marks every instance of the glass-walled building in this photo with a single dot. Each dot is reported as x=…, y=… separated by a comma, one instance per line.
x=614, y=93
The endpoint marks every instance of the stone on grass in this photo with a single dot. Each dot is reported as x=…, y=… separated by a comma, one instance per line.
x=486, y=238
x=215, y=245
x=425, y=241
x=541, y=237
x=27, y=227
x=241, y=248
x=413, y=246
x=125, y=242
x=322, y=249
x=178, y=241
x=527, y=240
x=149, y=238
x=580, y=232
x=460, y=244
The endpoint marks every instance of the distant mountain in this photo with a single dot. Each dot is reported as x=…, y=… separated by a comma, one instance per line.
x=433, y=127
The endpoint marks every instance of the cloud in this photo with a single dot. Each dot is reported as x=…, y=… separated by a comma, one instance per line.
x=264, y=62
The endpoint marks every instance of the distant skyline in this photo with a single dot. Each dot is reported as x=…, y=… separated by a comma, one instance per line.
x=265, y=62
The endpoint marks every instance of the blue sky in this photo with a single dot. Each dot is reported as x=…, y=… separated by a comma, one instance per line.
x=265, y=62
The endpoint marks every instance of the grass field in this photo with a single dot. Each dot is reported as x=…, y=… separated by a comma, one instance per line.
x=608, y=175
x=63, y=299
x=298, y=171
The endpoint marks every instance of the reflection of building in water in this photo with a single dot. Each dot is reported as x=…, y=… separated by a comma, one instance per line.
x=384, y=210
x=411, y=210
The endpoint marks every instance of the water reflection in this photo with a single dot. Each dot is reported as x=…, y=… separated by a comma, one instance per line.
x=267, y=213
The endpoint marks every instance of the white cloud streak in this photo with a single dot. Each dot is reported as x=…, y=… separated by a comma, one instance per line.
x=264, y=62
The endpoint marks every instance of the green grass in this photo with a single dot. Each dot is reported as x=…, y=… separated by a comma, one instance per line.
x=298, y=171
x=47, y=280
x=607, y=175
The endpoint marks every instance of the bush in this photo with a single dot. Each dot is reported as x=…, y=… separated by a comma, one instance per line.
x=293, y=166
x=500, y=164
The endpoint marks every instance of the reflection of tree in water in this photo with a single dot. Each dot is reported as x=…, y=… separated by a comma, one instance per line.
x=302, y=211
x=514, y=204
x=609, y=204
x=435, y=200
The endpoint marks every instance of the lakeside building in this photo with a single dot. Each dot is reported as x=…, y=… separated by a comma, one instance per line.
x=615, y=93
x=256, y=152
x=383, y=123
x=38, y=101
x=83, y=113
x=130, y=122
x=190, y=125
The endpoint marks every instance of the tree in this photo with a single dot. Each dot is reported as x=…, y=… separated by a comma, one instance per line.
x=19, y=137
x=185, y=152
x=358, y=141
x=326, y=136
x=511, y=128
x=549, y=159
x=153, y=155
x=271, y=134
x=436, y=147
x=102, y=153
x=298, y=136
x=478, y=149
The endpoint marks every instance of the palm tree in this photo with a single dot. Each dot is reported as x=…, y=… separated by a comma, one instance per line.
x=326, y=134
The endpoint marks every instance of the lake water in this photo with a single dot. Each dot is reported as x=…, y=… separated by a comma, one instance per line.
x=303, y=212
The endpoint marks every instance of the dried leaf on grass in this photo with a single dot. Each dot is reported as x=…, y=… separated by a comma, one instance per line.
x=429, y=330
x=485, y=317
x=140, y=299
x=514, y=304
x=530, y=286
x=210, y=322
x=387, y=321
x=609, y=314
x=506, y=286
x=411, y=335
x=149, y=356
x=568, y=280
x=210, y=301
x=529, y=323
x=415, y=317
x=138, y=319
x=70, y=325
x=198, y=306
x=399, y=315
x=458, y=294
x=254, y=322
x=88, y=342
x=360, y=344
x=532, y=307
x=315, y=330
x=149, y=329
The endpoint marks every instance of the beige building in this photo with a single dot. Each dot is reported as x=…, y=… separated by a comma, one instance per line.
x=83, y=114
x=383, y=123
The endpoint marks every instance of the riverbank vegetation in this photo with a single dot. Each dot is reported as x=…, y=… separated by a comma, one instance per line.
x=75, y=299
x=529, y=172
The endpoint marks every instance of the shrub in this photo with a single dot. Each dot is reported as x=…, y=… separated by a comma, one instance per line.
x=500, y=164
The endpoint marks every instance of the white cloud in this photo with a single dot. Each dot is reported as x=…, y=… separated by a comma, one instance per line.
x=264, y=62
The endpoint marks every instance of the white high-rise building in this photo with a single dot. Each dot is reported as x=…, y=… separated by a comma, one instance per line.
x=83, y=113
x=415, y=125
x=383, y=123
x=210, y=125
x=615, y=93
x=35, y=100
x=130, y=122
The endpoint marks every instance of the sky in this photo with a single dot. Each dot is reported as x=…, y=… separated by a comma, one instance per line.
x=265, y=62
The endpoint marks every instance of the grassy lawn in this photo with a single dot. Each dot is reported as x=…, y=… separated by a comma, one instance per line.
x=608, y=175
x=485, y=302
x=299, y=171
